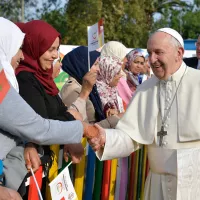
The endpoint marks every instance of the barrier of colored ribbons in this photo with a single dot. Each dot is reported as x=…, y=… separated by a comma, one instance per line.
x=117, y=179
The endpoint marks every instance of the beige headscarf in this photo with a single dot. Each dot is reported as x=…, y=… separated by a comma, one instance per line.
x=115, y=49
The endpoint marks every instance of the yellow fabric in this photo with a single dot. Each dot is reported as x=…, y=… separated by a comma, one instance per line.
x=113, y=179
x=80, y=172
x=53, y=172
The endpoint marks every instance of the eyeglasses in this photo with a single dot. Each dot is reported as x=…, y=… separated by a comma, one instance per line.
x=197, y=44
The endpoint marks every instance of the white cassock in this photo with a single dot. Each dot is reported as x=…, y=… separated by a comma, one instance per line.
x=171, y=171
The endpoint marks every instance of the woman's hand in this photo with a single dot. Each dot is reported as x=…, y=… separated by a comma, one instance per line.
x=31, y=157
x=75, y=151
x=111, y=112
x=89, y=80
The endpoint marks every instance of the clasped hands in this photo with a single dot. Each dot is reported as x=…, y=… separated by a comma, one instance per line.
x=95, y=135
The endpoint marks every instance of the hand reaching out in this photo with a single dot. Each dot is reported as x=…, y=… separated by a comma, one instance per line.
x=111, y=112
x=76, y=151
x=99, y=141
x=90, y=131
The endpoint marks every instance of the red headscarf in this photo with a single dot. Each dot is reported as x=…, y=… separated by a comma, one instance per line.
x=38, y=39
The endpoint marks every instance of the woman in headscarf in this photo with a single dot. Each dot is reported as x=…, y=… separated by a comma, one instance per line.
x=36, y=84
x=81, y=86
x=8, y=50
x=17, y=120
x=108, y=77
x=134, y=67
x=11, y=40
x=118, y=50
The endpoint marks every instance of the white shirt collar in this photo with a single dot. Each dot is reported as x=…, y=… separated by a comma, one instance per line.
x=177, y=75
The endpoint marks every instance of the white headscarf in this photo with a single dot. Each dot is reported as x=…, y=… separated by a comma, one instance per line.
x=115, y=49
x=11, y=38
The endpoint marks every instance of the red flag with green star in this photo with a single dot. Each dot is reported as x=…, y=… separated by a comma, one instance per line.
x=4, y=85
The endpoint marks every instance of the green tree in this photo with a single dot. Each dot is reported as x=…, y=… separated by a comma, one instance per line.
x=12, y=9
x=134, y=27
x=112, y=13
x=197, y=3
x=190, y=26
x=185, y=20
x=79, y=15
x=57, y=19
x=160, y=6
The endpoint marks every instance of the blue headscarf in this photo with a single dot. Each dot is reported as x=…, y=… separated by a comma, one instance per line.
x=75, y=63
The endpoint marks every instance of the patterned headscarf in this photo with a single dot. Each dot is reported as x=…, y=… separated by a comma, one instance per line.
x=132, y=55
x=109, y=67
x=133, y=80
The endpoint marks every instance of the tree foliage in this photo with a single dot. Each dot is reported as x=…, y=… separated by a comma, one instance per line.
x=185, y=20
x=127, y=21
x=79, y=15
x=12, y=9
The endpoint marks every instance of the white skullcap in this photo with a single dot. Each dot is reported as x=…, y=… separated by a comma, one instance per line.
x=114, y=48
x=173, y=33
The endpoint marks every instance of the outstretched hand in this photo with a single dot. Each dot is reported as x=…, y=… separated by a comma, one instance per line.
x=90, y=131
x=99, y=141
x=75, y=151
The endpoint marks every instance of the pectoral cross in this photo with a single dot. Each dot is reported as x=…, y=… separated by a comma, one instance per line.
x=161, y=134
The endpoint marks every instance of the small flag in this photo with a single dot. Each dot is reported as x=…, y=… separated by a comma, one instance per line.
x=62, y=188
x=4, y=85
x=95, y=36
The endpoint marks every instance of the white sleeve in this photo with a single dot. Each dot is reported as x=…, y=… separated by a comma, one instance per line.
x=118, y=145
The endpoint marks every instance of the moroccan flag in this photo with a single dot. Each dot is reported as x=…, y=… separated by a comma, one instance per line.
x=4, y=85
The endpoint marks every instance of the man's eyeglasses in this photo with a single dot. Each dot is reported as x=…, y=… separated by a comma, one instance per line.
x=197, y=44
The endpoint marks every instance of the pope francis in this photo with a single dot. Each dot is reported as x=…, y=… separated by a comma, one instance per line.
x=164, y=114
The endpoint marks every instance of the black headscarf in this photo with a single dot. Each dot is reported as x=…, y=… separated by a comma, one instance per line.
x=75, y=63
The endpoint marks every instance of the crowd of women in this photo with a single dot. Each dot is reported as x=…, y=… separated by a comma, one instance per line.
x=38, y=119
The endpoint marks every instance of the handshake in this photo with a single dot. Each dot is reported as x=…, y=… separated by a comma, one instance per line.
x=95, y=135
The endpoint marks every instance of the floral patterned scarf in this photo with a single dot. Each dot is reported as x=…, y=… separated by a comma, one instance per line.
x=109, y=67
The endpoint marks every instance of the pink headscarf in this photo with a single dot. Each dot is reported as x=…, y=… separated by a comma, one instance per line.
x=109, y=67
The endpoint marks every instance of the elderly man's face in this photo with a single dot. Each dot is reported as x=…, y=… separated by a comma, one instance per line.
x=198, y=48
x=164, y=57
